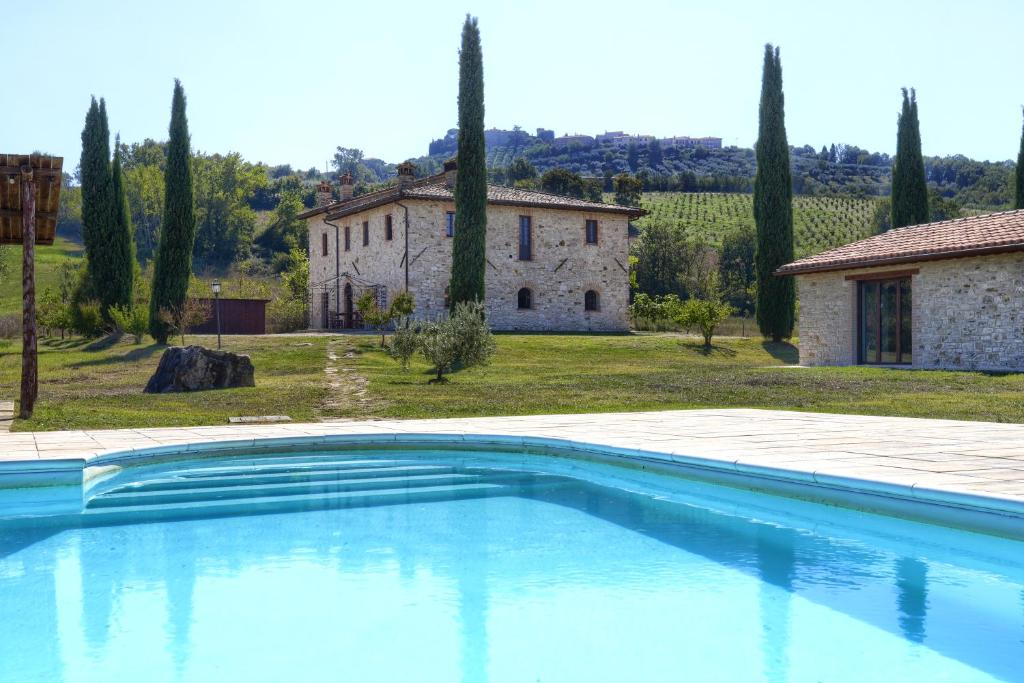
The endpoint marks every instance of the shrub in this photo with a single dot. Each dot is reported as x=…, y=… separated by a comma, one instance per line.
x=287, y=315
x=440, y=346
x=177, y=319
x=87, y=318
x=379, y=318
x=404, y=342
x=705, y=315
x=475, y=344
x=10, y=326
x=131, y=320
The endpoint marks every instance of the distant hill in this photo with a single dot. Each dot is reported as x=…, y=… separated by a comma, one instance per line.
x=837, y=169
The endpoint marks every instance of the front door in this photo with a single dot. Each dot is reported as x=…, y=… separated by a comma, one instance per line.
x=884, y=322
x=348, y=306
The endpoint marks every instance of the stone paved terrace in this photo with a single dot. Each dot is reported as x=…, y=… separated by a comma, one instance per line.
x=974, y=458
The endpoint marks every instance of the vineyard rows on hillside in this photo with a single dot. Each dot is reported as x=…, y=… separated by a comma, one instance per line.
x=819, y=223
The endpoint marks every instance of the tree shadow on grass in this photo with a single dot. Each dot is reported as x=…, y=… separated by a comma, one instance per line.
x=104, y=343
x=136, y=354
x=782, y=351
x=698, y=347
x=64, y=344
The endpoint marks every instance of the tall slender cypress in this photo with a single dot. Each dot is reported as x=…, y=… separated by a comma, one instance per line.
x=469, y=241
x=773, y=207
x=909, y=187
x=1019, y=195
x=173, y=263
x=96, y=196
x=121, y=245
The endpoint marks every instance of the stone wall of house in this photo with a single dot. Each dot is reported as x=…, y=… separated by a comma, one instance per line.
x=561, y=271
x=380, y=262
x=968, y=313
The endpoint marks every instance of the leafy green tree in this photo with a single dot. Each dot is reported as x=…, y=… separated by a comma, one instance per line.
x=144, y=189
x=628, y=189
x=133, y=320
x=736, y=268
x=564, y=182
x=632, y=156
x=225, y=223
x=654, y=154
x=521, y=169
x=379, y=318
x=286, y=229
x=942, y=208
x=173, y=265
x=468, y=244
x=773, y=207
x=1018, y=201
x=909, y=187
x=881, y=217
x=118, y=292
x=704, y=315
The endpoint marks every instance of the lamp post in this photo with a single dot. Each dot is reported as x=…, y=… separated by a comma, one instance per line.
x=215, y=286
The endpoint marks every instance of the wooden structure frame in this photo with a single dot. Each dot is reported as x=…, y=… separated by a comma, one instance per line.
x=29, y=197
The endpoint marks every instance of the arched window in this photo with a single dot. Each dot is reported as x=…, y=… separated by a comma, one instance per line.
x=525, y=298
x=590, y=301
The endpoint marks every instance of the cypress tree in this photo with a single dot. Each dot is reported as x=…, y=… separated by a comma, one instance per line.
x=909, y=188
x=773, y=207
x=1019, y=197
x=469, y=241
x=121, y=246
x=96, y=196
x=173, y=263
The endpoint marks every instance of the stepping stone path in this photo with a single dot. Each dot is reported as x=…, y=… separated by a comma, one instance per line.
x=347, y=387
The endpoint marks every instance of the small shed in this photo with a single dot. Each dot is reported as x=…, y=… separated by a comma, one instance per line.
x=237, y=316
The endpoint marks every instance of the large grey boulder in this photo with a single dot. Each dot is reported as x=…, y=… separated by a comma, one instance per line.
x=194, y=368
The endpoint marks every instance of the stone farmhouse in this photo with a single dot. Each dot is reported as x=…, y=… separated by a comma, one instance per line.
x=937, y=295
x=553, y=263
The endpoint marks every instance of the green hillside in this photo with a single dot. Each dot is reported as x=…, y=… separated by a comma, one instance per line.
x=819, y=223
x=48, y=259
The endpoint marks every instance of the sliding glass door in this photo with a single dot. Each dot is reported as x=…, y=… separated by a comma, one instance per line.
x=884, y=328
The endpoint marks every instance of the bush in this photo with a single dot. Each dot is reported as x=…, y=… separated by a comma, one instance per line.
x=464, y=340
x=87, y=318
x=404, y=342
x=10, y=326
x=705, y=315
x=287, y=315
x=133, y=321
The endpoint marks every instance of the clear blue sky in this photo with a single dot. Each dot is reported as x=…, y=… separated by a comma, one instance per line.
x=288, y=81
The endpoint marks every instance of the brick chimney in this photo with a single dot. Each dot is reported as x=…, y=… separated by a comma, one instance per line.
x=323, y=193
x=406, y=174
x=346, y=187
x=451, y=171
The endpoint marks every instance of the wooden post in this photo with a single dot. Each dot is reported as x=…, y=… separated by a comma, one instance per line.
x=29, y=360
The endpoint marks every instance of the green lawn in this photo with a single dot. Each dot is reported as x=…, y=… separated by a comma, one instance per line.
x=566, y=374
x=83, y=386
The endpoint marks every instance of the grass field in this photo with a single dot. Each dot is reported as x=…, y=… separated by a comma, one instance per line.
x=87, y=386
x=48, y=259
x=819, y=223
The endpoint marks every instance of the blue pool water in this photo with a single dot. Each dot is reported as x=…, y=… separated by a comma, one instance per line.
x=451, y=567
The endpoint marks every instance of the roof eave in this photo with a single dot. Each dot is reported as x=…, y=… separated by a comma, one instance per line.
x=898, y=260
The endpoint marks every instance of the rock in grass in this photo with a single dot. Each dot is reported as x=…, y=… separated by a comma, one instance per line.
x=195, y=368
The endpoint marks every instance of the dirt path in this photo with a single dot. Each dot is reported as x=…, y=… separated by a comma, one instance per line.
x=347, y=389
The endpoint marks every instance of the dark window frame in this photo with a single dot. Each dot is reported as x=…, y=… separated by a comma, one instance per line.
x=348, y=238
x=388, y=228
x=323, y=244
x=591, y=300
x=591, y=237
x=525, y=245
x=879, y=281
x=366, y=233
x=528, y=298
x=449, y=224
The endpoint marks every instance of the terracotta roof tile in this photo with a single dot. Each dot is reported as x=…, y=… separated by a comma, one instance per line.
x=435, y=188
x=975, y=235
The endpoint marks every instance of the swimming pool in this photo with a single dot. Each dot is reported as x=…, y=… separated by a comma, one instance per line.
x=434, y=564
